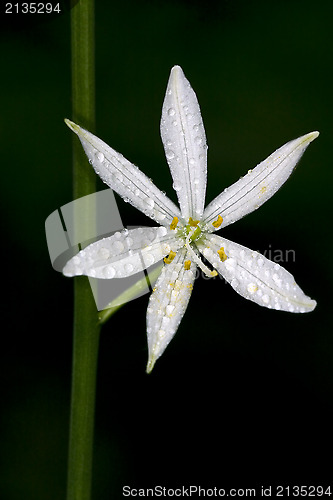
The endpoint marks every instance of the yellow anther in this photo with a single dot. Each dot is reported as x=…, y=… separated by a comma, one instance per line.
x=213, y=273
x=222, y=254
x=217, y=222
x=187, y=265
x=174, y=223
x=170, y=257
x=193, y=223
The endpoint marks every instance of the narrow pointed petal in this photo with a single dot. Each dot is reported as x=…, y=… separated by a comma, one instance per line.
x=184, y=141
x=123, y=254
x=255, y=277
x=125, y=178
x=167, y=305
x=257, y=186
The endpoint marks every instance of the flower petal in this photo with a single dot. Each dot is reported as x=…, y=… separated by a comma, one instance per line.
x=184, y=141
x=167, y=305
x=123, y=254
x=257, y=186
x=125, y=178
x=255, y=277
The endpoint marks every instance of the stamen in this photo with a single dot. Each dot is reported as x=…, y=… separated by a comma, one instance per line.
x=222, y=254
x=187, y=265
x=174, y=223
x=196, y=259
x=170, y=257
x=192, y=222
x=217, y=222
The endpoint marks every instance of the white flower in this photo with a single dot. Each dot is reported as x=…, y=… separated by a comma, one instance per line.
x=183, y=234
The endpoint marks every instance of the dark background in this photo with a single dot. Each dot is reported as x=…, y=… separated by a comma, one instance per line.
x=242, y=397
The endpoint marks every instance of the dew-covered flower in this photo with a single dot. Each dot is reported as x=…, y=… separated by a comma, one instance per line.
x=186, y=232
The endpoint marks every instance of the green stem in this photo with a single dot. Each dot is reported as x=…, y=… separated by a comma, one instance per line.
x=86, y=327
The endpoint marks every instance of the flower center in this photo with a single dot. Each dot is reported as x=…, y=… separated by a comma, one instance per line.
x=195, y=258
x=192, y=229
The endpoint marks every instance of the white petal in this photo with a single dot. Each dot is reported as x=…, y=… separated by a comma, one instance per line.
x=255, y=277
x=184, y=141
x=168, y=304
x=123, y=254
x=258, y=185
x=125, y=178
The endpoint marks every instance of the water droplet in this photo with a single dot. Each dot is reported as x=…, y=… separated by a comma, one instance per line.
x=100, y=157
x=128, y=267
x=196, y=128
x=177, y=186
x=265, y=299
x=104, y=253
x=150, y=202
x=118, y=246
x=174, y=123
x=171, y=112
x=149, y=259
x=252, y=288
x=109, y=272
x=192, y=161
x=169, y=309
x=137, y=192
x=196, y=181
x=169, y=154
x=198, y=140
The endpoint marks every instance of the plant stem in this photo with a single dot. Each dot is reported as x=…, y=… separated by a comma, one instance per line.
x=86, y=327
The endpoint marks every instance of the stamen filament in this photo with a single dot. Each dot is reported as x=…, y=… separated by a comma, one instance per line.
x=197, y=259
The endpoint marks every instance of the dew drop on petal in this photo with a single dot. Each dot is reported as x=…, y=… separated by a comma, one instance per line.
x=100, y=157
x=104, y=253
x=177, y=186
x=252, y=288
x=149, y=259
x=150, y=202
x=109, y=272
x=171, y=112
x=118, y=246
x=265, y=299
x=128, y=267
x=169, y=154
x=169, y=309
